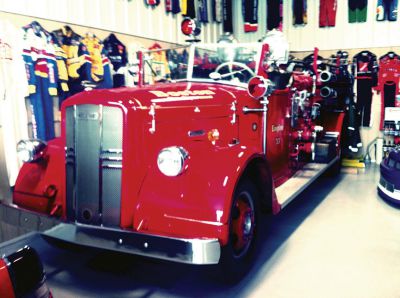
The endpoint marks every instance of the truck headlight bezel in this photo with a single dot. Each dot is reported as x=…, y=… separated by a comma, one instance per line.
x=31, y=150
x=172, y=161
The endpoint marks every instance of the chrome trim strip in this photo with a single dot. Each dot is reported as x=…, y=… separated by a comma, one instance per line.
x=234, y=84
x=213, y=223
x=100, y=163
x=119, y=151
x=111, y=166
x=189, y=251
x=112, y=158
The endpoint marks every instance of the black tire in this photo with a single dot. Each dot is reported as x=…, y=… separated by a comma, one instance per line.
x=238, y=255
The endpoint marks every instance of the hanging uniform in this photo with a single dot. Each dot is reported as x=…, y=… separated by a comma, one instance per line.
x=358, y=11
x=344, y=86
x=274, y=14
x=227, y=16
x=100, y=66
x=388, y=81
x=365, y=71
x=61, y=59
x=42, y=73
x=78, y=58
x=188, y=9
x=327, y=13
x=386, y=10
x=13, y=116
x=172, y=6
x=184, y=7
x=203, y=11
x=158, y=63
x=299, y=12
x=116, y=52
x=216, y=11
x=352, y=137
x=132, y=69
x=250, y=15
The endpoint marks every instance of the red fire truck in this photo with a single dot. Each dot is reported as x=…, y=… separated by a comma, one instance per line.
x=183, y=169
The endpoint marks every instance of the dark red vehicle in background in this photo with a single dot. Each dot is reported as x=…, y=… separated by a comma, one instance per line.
x=183, y=170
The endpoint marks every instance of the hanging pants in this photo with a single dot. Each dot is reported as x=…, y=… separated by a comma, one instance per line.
x=299, y=12
x=327, y=13
x=4, y=179
x=273, y=14
x=364, y=101
x=227, y=16
x=386, y=10
x=250, y=12
x=358, y=11
x=352, y=137
x=42, y=110
x=389, y=94
x=388, y=98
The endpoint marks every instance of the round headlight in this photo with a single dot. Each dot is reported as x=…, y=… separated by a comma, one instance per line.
x=30, y=150
x=171, y=161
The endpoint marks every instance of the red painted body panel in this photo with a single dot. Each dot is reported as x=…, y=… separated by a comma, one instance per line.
x=195, y=204
x=6, y=287
x=278, y=134
x=34, y=179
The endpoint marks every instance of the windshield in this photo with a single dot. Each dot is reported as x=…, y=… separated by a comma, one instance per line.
x=234, y=63
x=164, y=65
x=227, y=62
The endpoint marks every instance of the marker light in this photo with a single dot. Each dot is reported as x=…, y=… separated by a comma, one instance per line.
x=213, y=135
x=30, y=150
x=258, y=87
x=172, y=161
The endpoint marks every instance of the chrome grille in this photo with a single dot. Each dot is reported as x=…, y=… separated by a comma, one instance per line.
x=94, y=164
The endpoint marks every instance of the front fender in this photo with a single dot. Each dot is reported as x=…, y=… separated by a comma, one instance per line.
x=40, y=185
x=196, y=203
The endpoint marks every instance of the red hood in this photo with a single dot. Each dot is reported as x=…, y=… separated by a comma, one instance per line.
x=162, y=95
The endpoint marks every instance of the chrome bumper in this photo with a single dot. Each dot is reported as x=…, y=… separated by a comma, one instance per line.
x=190, y=251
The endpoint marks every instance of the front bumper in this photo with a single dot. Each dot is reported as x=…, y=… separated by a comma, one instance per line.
x=190, y=251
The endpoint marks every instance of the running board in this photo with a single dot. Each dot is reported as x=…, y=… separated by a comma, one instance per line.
x=300, y=181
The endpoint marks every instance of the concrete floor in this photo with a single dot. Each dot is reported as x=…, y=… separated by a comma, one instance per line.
x=338, y=239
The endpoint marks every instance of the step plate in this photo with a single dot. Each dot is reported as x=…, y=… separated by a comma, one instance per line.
x=300, y=180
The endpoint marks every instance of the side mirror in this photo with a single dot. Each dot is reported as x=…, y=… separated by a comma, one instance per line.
x=258, y=87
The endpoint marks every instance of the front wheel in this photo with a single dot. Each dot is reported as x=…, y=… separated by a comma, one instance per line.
x=237, y=255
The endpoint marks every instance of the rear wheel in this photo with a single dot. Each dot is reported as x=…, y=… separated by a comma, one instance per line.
x=237, y=255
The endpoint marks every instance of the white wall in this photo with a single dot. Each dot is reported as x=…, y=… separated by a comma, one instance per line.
x=122, y=16
x=134, y=18
x=344, y=35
